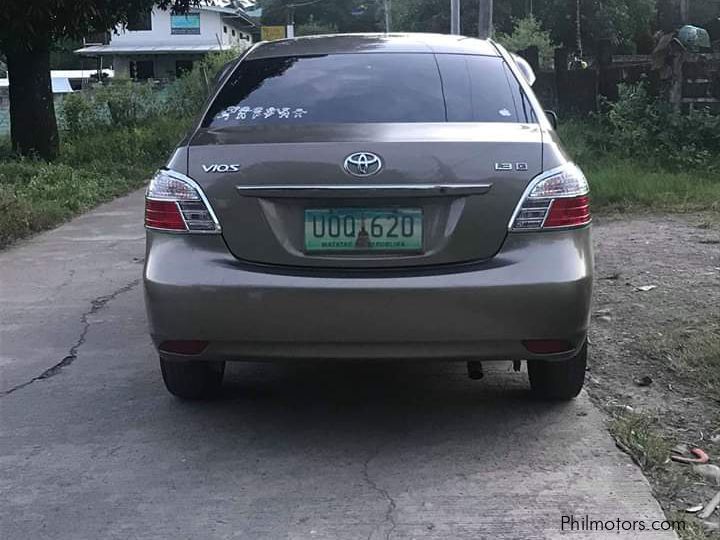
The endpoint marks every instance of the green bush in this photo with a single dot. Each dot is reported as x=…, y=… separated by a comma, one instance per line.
x=638, y=125
x=638, y=152
x=94, y=166
x=113, y=137
x=129, y=103
x=185, y=96
x=77, y=113
x=123, y=103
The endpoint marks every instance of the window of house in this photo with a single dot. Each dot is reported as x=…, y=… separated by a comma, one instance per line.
x=233, y=33
x=142, y=69
x=182, y=67
x=224, y=29
x=140, y=21
x=188, y=24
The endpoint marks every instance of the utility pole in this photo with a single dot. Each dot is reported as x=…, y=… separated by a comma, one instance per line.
x=684, y=11
x=485, y=19
x=388, y=17
x=455, y=17
x=290, y=25
x=578, y=30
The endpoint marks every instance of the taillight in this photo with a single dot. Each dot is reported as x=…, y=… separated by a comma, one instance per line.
x=555, y=199
x=174, y=202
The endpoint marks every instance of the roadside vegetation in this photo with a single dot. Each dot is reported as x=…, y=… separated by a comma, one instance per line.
x=639, y=154
x=646, y=440
x=636, y=434
x=112, y=139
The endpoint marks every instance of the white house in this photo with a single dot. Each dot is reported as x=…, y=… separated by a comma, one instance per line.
x=160, y=45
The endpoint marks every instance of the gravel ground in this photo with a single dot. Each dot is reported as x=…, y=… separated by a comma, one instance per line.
x=669, y=333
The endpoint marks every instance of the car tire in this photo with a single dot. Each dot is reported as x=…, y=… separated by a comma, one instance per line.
x=559, y=380
x=192, y=380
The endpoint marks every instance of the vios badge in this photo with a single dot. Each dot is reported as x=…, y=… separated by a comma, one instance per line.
x=221, y=167
x=362, y=164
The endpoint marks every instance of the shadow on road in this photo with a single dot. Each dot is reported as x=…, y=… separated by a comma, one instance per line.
x=403, y=402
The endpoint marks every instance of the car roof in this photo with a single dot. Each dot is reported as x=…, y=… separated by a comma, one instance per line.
x=373, y=43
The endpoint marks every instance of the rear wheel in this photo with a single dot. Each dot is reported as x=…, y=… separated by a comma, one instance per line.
x=192, y=379
x=558, y=379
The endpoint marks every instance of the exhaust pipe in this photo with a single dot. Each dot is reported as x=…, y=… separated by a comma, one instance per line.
x=475, y=370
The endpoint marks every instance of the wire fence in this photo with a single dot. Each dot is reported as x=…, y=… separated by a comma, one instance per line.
x=4, y=122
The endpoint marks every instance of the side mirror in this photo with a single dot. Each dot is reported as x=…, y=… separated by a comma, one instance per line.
x=553, y=117
x=525, y=68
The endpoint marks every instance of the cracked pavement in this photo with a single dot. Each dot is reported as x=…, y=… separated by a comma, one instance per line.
x=92, y=446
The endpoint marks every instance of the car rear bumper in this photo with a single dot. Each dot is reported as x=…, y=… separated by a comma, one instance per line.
x=537, y=287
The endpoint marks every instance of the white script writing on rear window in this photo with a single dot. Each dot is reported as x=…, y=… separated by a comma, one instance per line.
x=235, y=112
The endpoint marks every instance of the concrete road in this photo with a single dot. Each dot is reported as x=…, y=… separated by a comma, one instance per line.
x=91, y=445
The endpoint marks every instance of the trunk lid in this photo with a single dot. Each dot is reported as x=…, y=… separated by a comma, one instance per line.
x=265, y=177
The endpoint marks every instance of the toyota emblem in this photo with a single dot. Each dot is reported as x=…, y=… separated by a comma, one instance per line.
x=362, y=164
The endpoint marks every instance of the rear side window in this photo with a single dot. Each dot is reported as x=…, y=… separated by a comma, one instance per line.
x=366, y=88
x=480, y=89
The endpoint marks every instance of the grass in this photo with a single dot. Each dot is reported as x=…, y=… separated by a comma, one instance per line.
x=694, y=354
x=692, y=530
x=626, y=184
x=636, y=434
x=93, y=168
x=639, y=436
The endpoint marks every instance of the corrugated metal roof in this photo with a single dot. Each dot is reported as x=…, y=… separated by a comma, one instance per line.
x=60, y=85
x=80, y=73
x=230, y=12
x=149, y=48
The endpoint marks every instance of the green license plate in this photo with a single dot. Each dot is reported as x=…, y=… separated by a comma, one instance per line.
x=363, y=229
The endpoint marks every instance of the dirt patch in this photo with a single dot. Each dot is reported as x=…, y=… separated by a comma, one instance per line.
x=655, y=341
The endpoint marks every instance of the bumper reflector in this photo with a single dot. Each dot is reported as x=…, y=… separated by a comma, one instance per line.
x=547, y=346
x=183, y=346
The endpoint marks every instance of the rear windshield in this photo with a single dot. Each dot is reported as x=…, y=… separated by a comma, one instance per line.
x=369, y=88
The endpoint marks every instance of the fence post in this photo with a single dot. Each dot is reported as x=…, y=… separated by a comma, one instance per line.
x=607, y=83
x=676, y=85
x=532, y=55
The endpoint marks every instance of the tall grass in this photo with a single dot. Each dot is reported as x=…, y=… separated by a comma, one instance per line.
x=93, y=168
x=113, y=138
x=639, y=152
x=623, y=182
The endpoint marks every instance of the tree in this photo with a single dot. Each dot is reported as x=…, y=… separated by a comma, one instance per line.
x=434, y=15
x=621, y=21
x=526, y=33
x=344, y=15
x=28, y=28
x=62, y=54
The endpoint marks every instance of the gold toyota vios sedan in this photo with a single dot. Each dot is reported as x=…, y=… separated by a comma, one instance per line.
x=365, y=197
